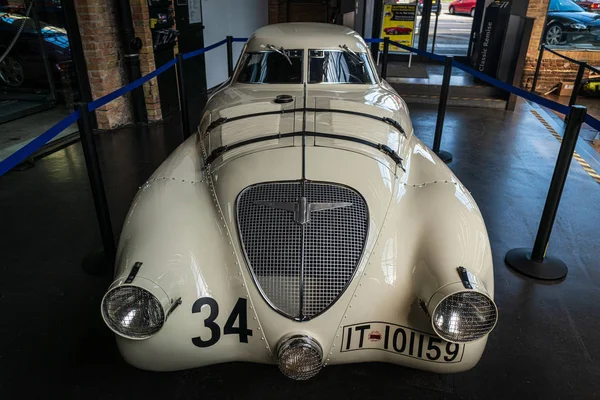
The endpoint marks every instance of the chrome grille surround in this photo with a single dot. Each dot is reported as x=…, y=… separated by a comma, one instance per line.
x=302, y=269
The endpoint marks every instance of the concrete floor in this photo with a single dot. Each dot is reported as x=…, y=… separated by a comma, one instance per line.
x=54, y=343
x=16, y=134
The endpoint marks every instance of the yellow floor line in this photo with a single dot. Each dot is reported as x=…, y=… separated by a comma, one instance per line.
x=586, y=167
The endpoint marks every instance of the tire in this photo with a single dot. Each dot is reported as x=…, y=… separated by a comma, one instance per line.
x=12, y=72
x=554, y=34
x=472, y=12
x=451, y=10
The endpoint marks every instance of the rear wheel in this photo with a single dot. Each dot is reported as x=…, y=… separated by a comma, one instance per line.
x=554, y=34
x=12, y=72
x=472, y=12
x=451, y=10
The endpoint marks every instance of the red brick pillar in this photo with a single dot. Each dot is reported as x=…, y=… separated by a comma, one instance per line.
x=103, y=54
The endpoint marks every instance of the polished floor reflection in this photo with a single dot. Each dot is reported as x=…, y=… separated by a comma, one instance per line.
x=545, y=345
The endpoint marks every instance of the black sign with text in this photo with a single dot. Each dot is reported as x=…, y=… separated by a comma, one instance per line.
x=492, y=35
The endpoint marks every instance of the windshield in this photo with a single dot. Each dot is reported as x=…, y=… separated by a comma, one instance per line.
x=564, y=6
x=272, y=67
x=337, y=66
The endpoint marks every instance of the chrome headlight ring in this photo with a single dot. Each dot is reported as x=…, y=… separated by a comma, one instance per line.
x=299, y=357
x=137, y=311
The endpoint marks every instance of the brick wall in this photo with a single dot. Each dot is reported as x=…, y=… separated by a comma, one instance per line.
x=553, y=69
x=141, y=25
x=103, y=53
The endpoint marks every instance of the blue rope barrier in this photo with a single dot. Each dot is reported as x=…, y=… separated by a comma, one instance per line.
x=420, y=52
x=515, y=90
x=240, y=40
x=21, y=154
x=18, y=156
x=204, y=50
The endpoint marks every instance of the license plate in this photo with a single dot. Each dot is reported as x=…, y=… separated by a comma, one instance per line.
x=400, y=340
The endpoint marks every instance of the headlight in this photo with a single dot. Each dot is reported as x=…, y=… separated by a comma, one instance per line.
x=578, y=26
x=132, y=312
x=299, y=357
x=464, y=316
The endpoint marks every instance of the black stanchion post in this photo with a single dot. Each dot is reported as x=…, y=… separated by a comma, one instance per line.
x=439, y=126
x=384, y=60
x=534, y=262
x=230, y=55
x=97, y=185
x=183, y=106
x=537, y=68
x=577, y=86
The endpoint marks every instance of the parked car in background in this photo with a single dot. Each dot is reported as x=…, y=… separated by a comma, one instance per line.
x=397, y=30
x=436, y=7
x=589, y=5
x=463, y=7
x=569, y=23
x=25, y=63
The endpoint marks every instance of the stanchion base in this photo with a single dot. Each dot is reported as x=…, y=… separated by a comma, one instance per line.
x=97, y=264
x=445, y=156
x=551, y=269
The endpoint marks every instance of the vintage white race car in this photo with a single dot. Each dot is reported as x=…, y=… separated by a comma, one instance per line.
x=303, y=225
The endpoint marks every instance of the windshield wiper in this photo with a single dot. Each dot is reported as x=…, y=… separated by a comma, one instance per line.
x=279, y=51
x=352, y=53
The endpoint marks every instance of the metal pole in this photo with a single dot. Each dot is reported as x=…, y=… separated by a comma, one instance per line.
x=131, y=47
x=535, y=262
x=439, y=126
x=576, y=118
x=577, y=86
x=183, y=106
x=437, y=16
x=384, y=60
x=95, y=175
x=44, y=51
x=230, y=55
x=537, y=68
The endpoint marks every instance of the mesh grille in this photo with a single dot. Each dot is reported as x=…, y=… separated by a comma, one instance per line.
x=465, y=316
x=332, y=243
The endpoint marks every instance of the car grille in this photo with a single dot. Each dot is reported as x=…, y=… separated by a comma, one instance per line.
x=302, y=268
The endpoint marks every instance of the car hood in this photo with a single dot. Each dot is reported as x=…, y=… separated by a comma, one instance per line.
x=583, y=17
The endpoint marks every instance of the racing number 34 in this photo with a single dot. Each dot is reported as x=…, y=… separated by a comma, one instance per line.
x=238, y=313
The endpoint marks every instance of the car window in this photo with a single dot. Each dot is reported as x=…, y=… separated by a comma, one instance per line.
x=336, y=66
x=272, y=67
x=564, y=6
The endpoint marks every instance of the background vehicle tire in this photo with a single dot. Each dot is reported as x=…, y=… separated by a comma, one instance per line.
x=554, y=34
x=12, y=72
x=472, y=12
x=451, y=10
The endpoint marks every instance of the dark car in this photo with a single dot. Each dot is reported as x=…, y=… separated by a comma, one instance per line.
x=436, y=7
x=24, y=64
x=569, y=23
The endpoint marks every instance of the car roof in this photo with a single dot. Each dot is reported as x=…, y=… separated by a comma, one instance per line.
x=306, y=35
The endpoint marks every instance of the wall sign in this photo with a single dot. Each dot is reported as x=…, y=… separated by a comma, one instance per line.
x=399, y=25
x=195, y=11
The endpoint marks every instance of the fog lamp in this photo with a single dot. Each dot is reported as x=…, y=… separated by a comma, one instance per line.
x=464, y=316
x=132, y=312
x=299, y=357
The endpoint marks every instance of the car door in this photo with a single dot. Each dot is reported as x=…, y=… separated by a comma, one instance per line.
x=459, y=6
x=469, y=5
